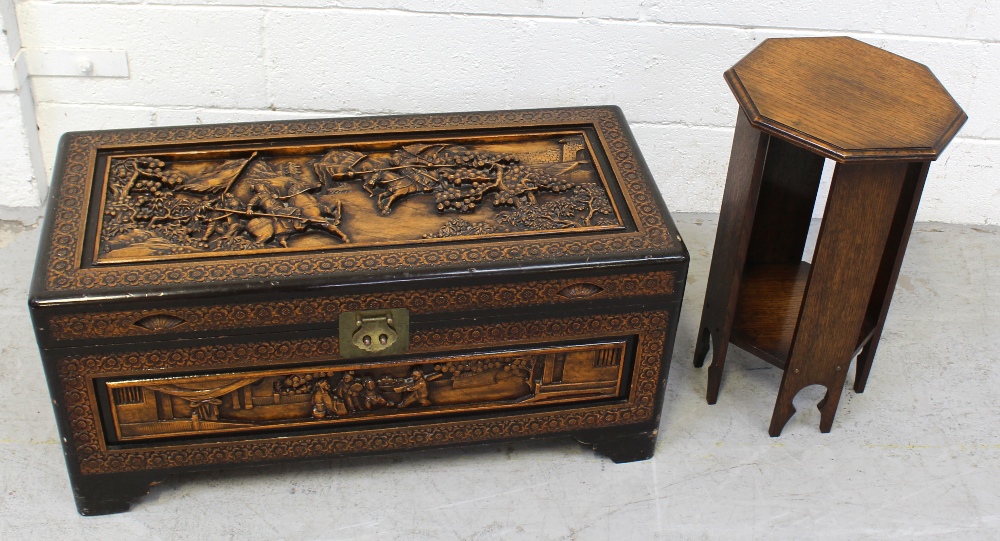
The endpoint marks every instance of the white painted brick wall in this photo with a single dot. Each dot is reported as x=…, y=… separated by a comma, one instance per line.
x=17, y=182
x=662, y=61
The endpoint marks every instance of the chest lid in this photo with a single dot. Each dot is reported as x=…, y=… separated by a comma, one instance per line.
x=213, y=210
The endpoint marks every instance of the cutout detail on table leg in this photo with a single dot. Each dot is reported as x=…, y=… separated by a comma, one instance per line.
x=701, y=347
x=719, y=350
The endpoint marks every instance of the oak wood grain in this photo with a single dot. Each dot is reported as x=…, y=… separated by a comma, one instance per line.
x=846, y=100
x=768, y=309
x=746, y=166
x=785, y=205
x=883, y=118
x=892, y=260
x=856, y=225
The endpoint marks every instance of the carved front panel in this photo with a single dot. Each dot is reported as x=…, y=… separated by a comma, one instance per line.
x=168, y=205
x=83, y=379
x=250, y=401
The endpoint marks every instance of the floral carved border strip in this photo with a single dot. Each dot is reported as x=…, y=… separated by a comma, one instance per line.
x=86, y=433
x=327, y=309
x=68, y=218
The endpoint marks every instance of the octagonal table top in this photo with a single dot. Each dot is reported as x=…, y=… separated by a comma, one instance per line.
x=845, y=99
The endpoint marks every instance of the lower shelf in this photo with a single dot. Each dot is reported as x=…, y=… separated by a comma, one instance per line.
x=768, y=307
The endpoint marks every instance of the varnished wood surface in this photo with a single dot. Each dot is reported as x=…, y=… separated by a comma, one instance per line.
x=846, y=100
x=217, y=210
x=785, y=206
x=212, y=202
x=852, y=238
x=187, y=405
x=739, y=203
x=768, y=308
x=892, y=260
x=883, y=118
x=195, y=280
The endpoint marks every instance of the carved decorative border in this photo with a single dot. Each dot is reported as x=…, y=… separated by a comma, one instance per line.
x=69, y=216
x=320, y=310
x=87, y=440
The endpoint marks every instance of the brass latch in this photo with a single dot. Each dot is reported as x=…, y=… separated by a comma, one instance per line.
x=374, y=332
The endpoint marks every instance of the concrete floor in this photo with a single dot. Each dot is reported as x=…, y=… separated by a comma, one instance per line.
x=916, y=456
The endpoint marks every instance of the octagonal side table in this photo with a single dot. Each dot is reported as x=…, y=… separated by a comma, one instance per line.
x=883, y=119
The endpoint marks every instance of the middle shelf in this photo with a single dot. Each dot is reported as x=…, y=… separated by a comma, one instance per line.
x=767, y=310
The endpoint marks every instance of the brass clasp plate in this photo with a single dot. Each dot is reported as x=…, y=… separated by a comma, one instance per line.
x=374, y=332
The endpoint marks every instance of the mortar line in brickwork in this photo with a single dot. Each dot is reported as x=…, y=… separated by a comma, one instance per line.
x=360, y=112
x=348, y=112
x=521, y=16
x=977, y=138
x=264, y=60
x=679, y=124
x=173, y=108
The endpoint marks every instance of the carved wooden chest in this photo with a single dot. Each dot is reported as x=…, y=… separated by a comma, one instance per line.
x=239, y=294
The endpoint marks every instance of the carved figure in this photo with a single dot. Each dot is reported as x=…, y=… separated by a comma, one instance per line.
x=280, y=221
x=311, y=395
x=321, y=212
x=308, y=210
x=458, y=176
x=348, y=391
x=338, y=165
x=181, y=204
x=322, y=400
x=228, y=210
x=415, y=391
x=371, y=398
x=411, y=176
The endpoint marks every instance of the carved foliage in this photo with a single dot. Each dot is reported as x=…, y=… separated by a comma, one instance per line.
x=166, y=205
x=68, y=220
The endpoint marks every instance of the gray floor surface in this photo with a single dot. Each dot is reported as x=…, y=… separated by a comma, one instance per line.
x=917, y=456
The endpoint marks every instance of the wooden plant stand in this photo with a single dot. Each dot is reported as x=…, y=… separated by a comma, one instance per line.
x=883, y=119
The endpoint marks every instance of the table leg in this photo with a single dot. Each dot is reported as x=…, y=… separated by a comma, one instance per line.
x=746, y=165
x=892, y=261
x=856, y=225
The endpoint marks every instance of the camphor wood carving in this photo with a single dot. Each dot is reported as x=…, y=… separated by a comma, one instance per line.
x=244, y=294
x=158, y=407
x=188, y=204
x=883, y=119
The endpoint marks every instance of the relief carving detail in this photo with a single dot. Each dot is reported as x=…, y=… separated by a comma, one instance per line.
x=78, y=396
x=66, y=271
x=273, y=199
x=161, y=407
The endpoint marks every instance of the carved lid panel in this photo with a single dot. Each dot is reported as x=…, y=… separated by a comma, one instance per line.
x=393, y=191
x=144, y=211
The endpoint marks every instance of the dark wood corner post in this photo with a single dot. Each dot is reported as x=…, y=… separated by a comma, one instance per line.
x=859, y=214
x=812, y=318
x=892, y=260
x=739, y=203
x=766, y=211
